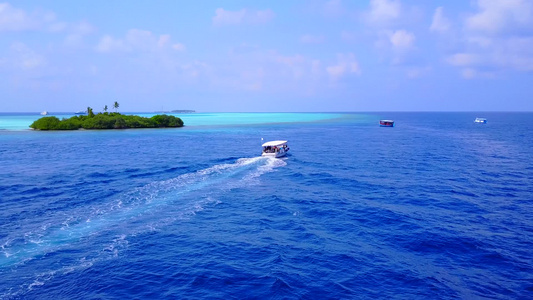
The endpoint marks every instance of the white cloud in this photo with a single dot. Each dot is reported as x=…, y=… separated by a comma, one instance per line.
x=439, y=23
x=346, y=64
x=163, y=40
x=226, y=17
x=311, y=39
x=109, y=44
x=471, y=73
x=243, y=16
x=137, y=40
x=25, y=58
x=401, y=39
x=383, y=11
x=75, y=38
x=141, y=39
x=398, y=47
x=468, y=73
x=261, y=16
x=394, y=44
x=498, y=37
x=178, y=47
x=501, y=15
x=514, y=53
x=463, y=59
x=289, y=60
x=253, y=68
x=14, y=19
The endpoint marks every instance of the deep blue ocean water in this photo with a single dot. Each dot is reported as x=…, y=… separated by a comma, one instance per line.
x=436, y=207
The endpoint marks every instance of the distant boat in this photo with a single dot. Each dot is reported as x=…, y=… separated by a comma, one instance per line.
x=275, y=149
x=480, y=120
x=81, y=112
x=386, y=123
x=44, y=113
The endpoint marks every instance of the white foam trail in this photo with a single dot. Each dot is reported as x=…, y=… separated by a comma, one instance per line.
x=147, y=208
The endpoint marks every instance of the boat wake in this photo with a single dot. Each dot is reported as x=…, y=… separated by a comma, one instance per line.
x=96, y=232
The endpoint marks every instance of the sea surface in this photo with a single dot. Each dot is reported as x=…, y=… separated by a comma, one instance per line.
x=435, y=207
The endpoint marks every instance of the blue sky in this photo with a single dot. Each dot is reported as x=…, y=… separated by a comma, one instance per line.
x=232, y=56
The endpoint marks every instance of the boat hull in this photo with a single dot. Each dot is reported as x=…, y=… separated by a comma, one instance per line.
x=276, y=155
x=386, y=123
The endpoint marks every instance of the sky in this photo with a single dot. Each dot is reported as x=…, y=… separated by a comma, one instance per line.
x=267, y=56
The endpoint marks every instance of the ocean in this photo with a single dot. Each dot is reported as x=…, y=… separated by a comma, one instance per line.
x=435, y=207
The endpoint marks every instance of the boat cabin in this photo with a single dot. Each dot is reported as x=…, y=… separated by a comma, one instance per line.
x=480, y=120
x=275, y=148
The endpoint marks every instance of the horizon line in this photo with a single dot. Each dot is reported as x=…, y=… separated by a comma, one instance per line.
x=366, y=111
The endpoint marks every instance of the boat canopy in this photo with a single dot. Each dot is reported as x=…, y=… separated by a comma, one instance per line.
x=387, y=121
x=275, y=143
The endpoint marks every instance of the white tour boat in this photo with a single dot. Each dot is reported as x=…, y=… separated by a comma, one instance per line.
x=275, y=148
x=480, y=120
x=44, y=113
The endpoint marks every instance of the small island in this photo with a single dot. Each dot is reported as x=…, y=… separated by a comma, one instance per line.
x=105, y=120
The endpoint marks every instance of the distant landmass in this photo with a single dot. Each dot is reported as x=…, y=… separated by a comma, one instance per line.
x=177, y=111
x=182, y=111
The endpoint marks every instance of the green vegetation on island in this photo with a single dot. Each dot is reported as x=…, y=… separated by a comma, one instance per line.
x=106, y=120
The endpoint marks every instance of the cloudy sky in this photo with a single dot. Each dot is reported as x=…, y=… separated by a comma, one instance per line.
x=337, y=55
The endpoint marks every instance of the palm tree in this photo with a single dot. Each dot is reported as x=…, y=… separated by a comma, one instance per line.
x=105, y=108
x=115, y=106
x=90, y=111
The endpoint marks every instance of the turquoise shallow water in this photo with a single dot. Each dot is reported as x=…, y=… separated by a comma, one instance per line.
x=436, y=207
x=22, y=121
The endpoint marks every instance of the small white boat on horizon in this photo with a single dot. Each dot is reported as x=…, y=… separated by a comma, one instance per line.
x=275, y=149
x=480, y=120
x=44, y=113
